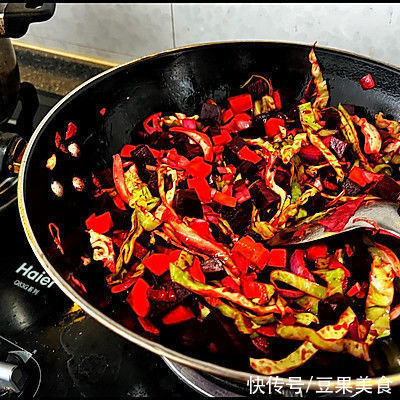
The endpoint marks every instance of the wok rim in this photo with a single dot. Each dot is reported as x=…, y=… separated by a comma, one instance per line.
x=99, y=316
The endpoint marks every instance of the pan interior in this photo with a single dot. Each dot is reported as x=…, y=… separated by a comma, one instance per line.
x=178, y=81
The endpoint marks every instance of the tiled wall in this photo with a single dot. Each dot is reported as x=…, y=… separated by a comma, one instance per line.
x=120, y=32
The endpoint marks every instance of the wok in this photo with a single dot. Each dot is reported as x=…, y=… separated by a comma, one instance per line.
x=178, y=80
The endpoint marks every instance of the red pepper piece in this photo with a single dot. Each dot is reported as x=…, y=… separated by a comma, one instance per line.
x=71, y=130
x=225, y=170
x=255, y=252
x=202, y=227
x=242, y=193
x=154, y=120
x=255, y=290
x=241, y=262
x=354, y=290
x=326, y=141
x=178, y=315
x=138, y=299
x=227, y=115
x=269, y=330
x=288, y=319
x=57, y=140
x=158, y=264
x=225, y=199
x=102, y=111
x=271, y=126
x=196, y=271
x=222, y=139
x=238, y=123
x=228, y=282
x=277, y=99
x=228, y=190
x=100, y=224
x=127, y=149
x=310, y=153
x=329, y=185
x=189, y=123
x=298, y=265
x=317, y=251
x=119, y=179
x=202, y=188
x=198, y=168
x=139, y=251
x=175, y=160
x=277, y=258
x=148, y=326
x=367, y=82
x=362, y=177
x=240, y=103
x=119, y=202
x=174, y=255
x=249, y=155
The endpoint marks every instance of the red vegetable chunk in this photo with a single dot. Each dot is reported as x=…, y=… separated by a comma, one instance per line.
x=138, y=299
x=101, y=223
x=367, y=82
x=178, y=315
x=240, y=103
x=277, y=258
x=272, y=126
x=158, y=264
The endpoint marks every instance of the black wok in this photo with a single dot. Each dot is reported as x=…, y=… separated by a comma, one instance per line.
x=176, y=81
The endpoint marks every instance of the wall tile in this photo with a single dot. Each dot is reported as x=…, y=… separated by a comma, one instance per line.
x=113, y=31
x=368, y=29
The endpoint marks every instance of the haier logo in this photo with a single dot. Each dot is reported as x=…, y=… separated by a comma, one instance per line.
x=39, y=277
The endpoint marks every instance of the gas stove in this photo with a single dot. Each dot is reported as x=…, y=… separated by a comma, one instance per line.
x=48, y=345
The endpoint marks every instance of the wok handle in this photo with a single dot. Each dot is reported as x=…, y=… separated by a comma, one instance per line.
x=16, y=17
x=12, y=148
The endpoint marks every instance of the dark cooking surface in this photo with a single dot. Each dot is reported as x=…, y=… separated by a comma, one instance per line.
x=76, y=355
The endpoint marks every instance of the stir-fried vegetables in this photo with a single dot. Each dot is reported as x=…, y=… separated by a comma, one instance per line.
x=181, y=222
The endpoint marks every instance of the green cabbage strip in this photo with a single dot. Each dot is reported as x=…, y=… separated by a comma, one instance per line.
x=350, y=134
x=236, y=315
x=296, y=190
x=308, y=303
x=381, y=291
x=322, y=91
x=334, y=279
x=289, y=150
x=307, y=118
x=292, y=209
x=393, y=127
x=353, y=347
x=329, y=156
x=184, y=279
x=299, y=283
x=303, y=353
x=306, y=318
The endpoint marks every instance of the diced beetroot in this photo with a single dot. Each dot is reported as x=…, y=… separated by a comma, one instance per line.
x=354, y=290
x=351, y=188
x=337, y=146
x=262, y=196
x=211, y=113
x=262, y=344
x=257, y=89
x=387, y=188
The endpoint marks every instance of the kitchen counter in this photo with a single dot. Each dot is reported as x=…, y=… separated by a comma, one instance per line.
x=54, y=73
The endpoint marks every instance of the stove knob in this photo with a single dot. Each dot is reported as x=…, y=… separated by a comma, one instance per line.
x=12, y=377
